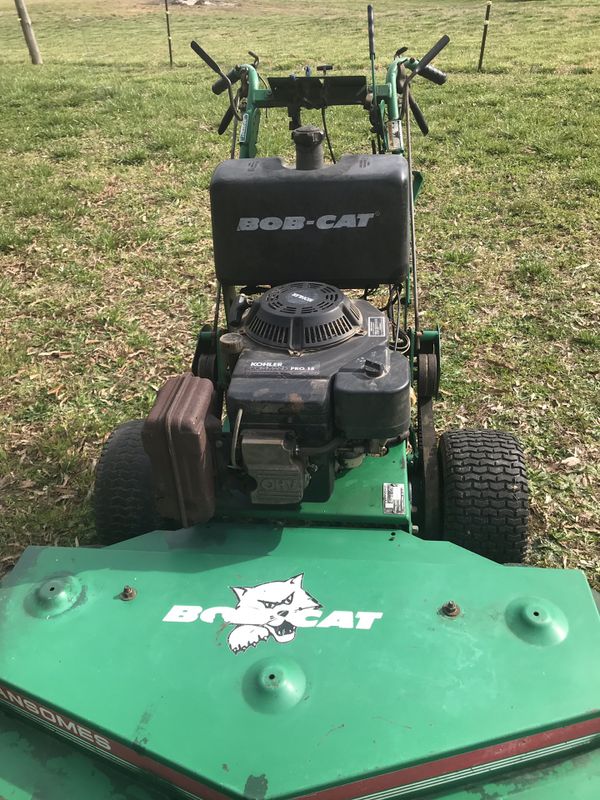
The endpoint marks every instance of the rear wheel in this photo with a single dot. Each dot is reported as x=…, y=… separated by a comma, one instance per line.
x=485, y=493
x=124, y=504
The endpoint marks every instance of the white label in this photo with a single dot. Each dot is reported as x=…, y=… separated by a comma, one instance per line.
x=393, y=498
x=394, y=134
x=244, y=129
x=303, y=369
x=376, y=326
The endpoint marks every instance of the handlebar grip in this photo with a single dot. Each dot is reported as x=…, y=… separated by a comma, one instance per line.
x=371, y=27
x=220, y=86
x=434, y=75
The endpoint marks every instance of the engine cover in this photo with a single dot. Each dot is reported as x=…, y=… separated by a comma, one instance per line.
x=348, y=385
x=303, y=316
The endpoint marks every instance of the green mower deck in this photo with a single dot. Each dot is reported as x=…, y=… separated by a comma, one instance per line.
x=381, y=689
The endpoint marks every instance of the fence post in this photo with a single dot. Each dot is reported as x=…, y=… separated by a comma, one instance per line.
x=28, y=33
x=167, y=17
x=486, y=22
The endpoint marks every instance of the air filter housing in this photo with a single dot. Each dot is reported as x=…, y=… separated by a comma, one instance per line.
x=303, y=316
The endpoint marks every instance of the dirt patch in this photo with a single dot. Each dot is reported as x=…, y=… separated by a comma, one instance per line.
x=194, y=3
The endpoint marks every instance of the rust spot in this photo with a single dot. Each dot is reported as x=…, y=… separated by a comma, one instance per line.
x=256, y=787
x=139, y=739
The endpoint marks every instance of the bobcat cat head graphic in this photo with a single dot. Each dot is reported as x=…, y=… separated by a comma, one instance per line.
x=268, y=610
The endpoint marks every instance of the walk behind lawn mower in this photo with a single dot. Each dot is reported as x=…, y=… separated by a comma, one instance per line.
x=303, y=594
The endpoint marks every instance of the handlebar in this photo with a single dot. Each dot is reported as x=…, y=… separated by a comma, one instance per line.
x=429, y=56
x=221, y=85
x=434, y=75
x=313, y=92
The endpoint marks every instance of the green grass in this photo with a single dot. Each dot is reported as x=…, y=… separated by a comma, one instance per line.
x=105, y=250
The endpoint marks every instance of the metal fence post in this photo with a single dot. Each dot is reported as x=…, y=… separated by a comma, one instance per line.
x=167, y=17
x=488, y=10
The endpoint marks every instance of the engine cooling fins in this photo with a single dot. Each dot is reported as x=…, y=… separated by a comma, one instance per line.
x=303, y=316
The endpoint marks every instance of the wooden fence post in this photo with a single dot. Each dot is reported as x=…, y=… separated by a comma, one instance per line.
x=34, y=50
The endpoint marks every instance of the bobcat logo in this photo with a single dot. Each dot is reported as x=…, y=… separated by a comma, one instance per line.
x=272, y=610
x=269, y=609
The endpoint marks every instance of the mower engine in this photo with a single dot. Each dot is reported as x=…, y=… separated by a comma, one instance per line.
x=314, y=387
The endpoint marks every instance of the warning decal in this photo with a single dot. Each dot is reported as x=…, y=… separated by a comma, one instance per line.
x=393, y=498
x=376, y=326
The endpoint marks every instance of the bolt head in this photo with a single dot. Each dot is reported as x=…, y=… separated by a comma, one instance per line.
x=128, y=593
x=450, y=609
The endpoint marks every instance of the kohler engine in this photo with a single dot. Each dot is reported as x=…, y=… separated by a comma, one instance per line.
x=314, y=388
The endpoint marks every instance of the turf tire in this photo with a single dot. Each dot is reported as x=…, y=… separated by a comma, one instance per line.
x=124, y=504
x=485, y=493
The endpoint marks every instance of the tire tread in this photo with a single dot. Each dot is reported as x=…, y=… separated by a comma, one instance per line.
x=485, y=490
x=123, y=503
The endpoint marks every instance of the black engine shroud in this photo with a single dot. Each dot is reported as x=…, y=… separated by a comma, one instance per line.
x=321, y=375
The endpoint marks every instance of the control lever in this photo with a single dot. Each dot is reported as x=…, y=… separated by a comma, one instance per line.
x=429, y=56
x=226, y=120
x=223, y=84
x=206, y=58
x=414, y=106
x=371, y=30
x=418, y=115
x=225, y=80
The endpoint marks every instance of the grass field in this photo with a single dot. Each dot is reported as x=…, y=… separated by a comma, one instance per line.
x=105, y=250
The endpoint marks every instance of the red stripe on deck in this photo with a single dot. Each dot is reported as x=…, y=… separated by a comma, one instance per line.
x=350, y=791
x=447, y=766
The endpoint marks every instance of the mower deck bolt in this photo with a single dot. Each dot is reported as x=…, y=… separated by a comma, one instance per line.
x=450, y=609
x=128, y=593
